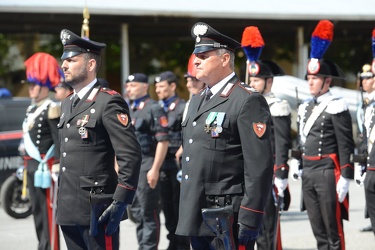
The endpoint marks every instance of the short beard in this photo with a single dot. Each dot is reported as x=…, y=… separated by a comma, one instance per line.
x=81, y=77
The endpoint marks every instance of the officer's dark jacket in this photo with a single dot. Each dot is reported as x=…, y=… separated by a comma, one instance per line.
x=151, y=125
x=238, y=163
x=87, y=162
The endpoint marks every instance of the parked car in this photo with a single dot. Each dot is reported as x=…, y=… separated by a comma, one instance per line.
x=12, y=113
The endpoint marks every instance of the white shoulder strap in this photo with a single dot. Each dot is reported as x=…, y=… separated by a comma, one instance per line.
x=315, y=114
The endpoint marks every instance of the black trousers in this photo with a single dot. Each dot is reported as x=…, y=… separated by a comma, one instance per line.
x=78, y=238
x=266, y=240
x=145, y=209
x=323, y=208
x=213, y=243
x=370, y=196
x=170, y=197
x=41, y=201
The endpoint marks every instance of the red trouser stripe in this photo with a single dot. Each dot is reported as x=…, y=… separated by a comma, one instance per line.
x=108, y=240
x=338, y=206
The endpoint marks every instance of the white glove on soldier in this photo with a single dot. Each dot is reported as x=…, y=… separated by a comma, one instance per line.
x=281, y=185
x=55, y=169
x=359, y=174
x=294, y=168
x=342, y=188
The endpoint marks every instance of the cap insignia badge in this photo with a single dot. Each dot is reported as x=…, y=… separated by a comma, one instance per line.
x=64, y=37
x=313, y=66
x=131, y=78
x=254, y=69
x=200, y=30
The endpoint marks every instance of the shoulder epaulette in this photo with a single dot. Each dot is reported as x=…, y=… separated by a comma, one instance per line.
x=281, y=108
x=246, y=87
x=337, y=106
x=54, y=110
x=109, y=91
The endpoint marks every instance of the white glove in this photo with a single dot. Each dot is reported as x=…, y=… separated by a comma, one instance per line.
x=281, y=185
x=55, y=169
x=179, y=175
x=342, y=188
x=359, y=174
x=294, y=168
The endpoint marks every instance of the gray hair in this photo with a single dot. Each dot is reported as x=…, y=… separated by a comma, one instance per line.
x=221, y=52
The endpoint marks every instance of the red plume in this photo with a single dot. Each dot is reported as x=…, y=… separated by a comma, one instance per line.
x=192, y=71
x=324, y=30
x=251, y=37
x=43, y=69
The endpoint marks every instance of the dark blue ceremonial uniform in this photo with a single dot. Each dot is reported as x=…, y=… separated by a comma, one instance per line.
x=43, y=134
x=326, y=155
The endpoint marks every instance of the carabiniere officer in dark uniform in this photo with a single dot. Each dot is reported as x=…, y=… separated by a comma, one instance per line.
x=227, y=156
x=94, y=129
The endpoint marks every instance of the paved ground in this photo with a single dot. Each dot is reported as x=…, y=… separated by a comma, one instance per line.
x=296, y=231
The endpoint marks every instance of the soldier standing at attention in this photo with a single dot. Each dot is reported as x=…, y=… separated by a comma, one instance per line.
x=151, y=127
x=94, y=129
x=325, y=131
x=40, y=138
x=227, y=156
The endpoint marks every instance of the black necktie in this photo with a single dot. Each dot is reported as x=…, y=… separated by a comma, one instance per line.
x=207, y=97
x=75, y=101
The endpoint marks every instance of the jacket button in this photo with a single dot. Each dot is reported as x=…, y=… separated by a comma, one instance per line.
x=64, y=154
x=194, y=124
x=68, y=125
x=66, y=139
x=190, y=141
x=186, y=177
x=187, y=158
x=63, y=169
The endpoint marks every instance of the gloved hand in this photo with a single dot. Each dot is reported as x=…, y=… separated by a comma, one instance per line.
x=55, y=169
x=246, y=234
x=342, y=188
x=281, y=185
x=294, y=168
x=112, y=216
x=179, y=175
x=359, y=174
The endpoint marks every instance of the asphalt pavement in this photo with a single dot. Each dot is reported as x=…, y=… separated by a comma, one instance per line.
x=17, y=234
